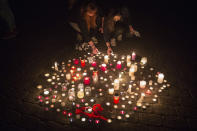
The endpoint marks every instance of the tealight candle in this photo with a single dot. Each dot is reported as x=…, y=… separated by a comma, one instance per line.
x=133, y=56
x=116, y=84
x=142, y=84
x=106, y=59
x=119, y=117
x=107, y=103
x=47, y=75
x=119, y=66
x=160, y=78
x=46, y=92
x=127, y=115
x=109, y=120
x=111, y=91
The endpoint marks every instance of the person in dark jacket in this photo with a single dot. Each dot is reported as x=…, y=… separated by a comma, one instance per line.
x=86, y=20
x=117, y=24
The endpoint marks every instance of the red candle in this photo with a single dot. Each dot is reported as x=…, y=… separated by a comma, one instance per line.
x=116, y=98
x=133, y=56
x=119, y=66
x=86, y=80
x=148, y=92
x=103, y=67
x=76, y=61
x=94, y=64
x=83, y=63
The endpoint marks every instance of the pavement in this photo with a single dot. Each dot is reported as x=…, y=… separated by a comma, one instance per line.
x=45, y=37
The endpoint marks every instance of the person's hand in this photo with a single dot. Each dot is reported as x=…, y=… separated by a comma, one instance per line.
x=95, y=51
x=109, y=50
x=101, y=30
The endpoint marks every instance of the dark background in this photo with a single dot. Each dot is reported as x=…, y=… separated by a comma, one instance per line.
x=168, y=40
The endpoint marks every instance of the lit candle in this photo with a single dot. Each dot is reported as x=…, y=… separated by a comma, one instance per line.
x=128, y=63
x=119, y=66
x=71, y=94
x=134, y=66
x=143, y=61
x=82, y=63
x=88, y=91
x=76, y=61
x=56, y=66
x=116, y=98
x=46, y=92
x=86, y=80
x=142, y=84
x=80, y=94
x=148, y=92
x=116, y=84
x=139, y=102
x=160, y=78
x=128, y=58
x=103, y=67
x=111, y=91
x=39, y=86
x=68, y=76
x=94, y=64
x=95, y=76
x=131, y=71
x=106, y=59
x=133, y=56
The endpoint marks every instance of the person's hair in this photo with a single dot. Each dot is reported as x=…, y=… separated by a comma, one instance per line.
x=110, y=18
x=90, y=20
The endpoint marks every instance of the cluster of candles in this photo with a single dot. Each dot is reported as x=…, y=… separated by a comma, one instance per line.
x=79, y=79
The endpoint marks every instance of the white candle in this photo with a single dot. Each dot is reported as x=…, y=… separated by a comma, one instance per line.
x=128, y=63
x=56, y=67
x=106, y=59
x=142, y=84
x=160, y=78
x=116, y=84
x=128, y=58
x=111, y=91
x=68, y=76
x=143, y=61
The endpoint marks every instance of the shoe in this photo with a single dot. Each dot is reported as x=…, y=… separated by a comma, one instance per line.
x=113, y=42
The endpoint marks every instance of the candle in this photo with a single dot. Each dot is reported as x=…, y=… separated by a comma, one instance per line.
x=39, y=86
x=86, y=80
x=142, y=84
x=87, y=91
x=116, y=98
x=148, y=92
x=46, y=92
x=128, y=63
x=76, y=61
x=131, y=71
x=143, y=61
x=106, y=59
x=82, y=63
x=103, y=67
x=80, y=94
x=134, y=66
x=119, y=66
x=95, y=76
x=116, y=84
x=133, y=56
x=56, y=66
x=71, y=94
x=160, y=78
x=139, y=102
x=94, y=64
x=72, y=72
x=111, y=91
x=68, y=76
x=128, y=58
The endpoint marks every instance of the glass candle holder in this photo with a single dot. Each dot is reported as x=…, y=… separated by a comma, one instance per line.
x=71, y=94
x=82, y=63
x=116, y=98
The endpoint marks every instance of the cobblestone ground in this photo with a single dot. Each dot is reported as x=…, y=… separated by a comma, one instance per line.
x=44, y=39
